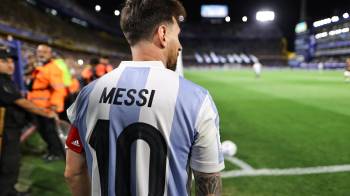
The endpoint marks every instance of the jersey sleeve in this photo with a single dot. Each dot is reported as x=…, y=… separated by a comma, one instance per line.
x=206, y=155
x=72, y=112
x=80, y=104
x=73, y=141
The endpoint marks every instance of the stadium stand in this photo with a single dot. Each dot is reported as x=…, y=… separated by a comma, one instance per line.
x=232, y=44
x=325, y=45
x=34, y=25
x=224, y=44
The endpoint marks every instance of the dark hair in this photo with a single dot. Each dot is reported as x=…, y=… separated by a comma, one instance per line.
x=94, y=61
x=140, y=18
x=104, y=57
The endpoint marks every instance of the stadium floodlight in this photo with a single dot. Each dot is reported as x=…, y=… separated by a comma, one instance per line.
x=321, y=35
x=345, y=30
x=322, y=22
x=346, y=15
x=80, y=62
x=54, y=12
x=335, y=19
x=227, y=18
x=116, y=12
x=97, y=8
x=181, y=18
x=335, y=32
x=244, y=18
x=265, y=16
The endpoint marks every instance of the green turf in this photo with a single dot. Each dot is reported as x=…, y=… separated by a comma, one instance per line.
x=284, y=119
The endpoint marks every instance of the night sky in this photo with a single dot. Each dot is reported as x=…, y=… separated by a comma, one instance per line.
x=287, y=11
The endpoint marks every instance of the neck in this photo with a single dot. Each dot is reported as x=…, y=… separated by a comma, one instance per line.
x=147, y=52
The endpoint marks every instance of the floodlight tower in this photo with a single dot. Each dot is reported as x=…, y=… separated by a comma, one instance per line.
x=302, y=10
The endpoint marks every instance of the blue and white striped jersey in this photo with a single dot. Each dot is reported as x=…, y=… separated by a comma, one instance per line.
x=143, y=128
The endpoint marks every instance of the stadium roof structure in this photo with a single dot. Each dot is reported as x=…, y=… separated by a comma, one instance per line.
x=288, y=12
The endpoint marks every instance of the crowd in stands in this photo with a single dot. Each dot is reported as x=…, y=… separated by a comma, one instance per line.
x=72, y=9
x=324, y=47
x=263, y=41
x=230, y=42
x=60, y=31
x=231, y=31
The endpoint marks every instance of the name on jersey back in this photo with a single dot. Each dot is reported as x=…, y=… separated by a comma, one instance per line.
x=128, y=97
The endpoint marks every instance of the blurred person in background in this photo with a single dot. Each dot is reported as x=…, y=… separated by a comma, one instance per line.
x=257, y=69
x=88, y=74
x=29, y=68
x=13, y=108
x=104, y=60
x=96, y=69
x=73, y=88
x=347, y=70
x=67, y=80
x=48, y=91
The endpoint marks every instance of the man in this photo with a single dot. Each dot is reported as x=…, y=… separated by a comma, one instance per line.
x=347, y=70
x=104, y=60
x=257, y=69
x=96, y=69
x=48, y=91
x=12, y=121
x=142, y=128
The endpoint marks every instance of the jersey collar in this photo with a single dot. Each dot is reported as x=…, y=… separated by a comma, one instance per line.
x=142, y=64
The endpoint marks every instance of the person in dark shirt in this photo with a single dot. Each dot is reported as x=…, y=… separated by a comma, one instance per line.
x=13, y=108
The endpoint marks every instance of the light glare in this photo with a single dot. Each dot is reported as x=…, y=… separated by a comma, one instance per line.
x=265, y=16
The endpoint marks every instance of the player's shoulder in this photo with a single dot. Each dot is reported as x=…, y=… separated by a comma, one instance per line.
x=192, y=88
x=192, y=85
x=86, y=90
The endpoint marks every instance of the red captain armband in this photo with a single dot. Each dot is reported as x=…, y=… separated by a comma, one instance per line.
x=73, y=141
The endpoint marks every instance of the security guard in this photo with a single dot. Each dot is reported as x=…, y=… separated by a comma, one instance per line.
x=48, y=91
x=12, y=120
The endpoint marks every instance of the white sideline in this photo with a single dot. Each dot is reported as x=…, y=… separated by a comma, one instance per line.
x=287, y=172
x=243, y=165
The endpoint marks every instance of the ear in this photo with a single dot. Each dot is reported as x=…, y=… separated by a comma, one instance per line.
x=162, y=35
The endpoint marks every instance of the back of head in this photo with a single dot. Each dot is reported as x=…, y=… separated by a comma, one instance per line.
x=94, y=61
x=140, y=18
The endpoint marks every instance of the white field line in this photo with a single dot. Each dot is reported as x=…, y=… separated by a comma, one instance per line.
x=287, y=172
x=243, y=165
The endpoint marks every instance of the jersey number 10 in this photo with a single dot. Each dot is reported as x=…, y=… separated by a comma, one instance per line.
x=158, y=153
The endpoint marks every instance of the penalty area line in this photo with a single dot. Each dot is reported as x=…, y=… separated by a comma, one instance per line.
x=287, y=171
x=243, y=165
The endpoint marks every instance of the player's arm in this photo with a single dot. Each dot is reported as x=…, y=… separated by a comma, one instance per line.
x=76, y=174
x=207, y=184
x=206, y=157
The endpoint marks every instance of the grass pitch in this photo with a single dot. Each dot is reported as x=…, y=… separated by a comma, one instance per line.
x=285, y=119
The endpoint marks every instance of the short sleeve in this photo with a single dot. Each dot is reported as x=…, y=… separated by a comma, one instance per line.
x=206, y=155
x=9, y=93
x=73, y=141
x=72, y=112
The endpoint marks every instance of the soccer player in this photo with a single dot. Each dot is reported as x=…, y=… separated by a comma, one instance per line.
x=347, y=70
x=142, y=128
x=257, y=69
